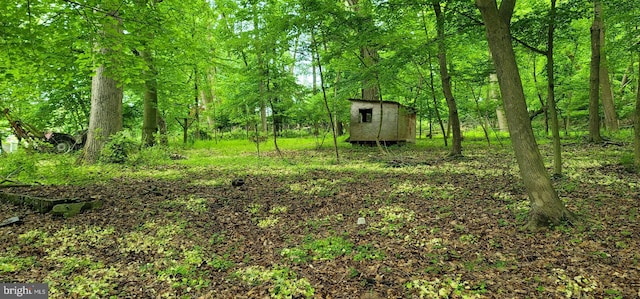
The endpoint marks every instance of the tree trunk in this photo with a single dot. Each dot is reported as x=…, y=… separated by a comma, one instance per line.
x=493, y=97
x=162, y=129
x=636, y=124
x=433, y=89
x=594, y=76
x=324, y=95
x=546, y=206
x=369, y=57
x=610, y=118
x=150, y=102
x=435, y=103
x=454, y=121
x=196, y=105
x=551, y=102
x=105, y=116
x=370, y=90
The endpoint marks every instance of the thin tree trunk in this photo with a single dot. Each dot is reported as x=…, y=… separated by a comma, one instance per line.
x=162, y=129
x=545, y=110
x=493, y=96
x=435, y=103
x=625, y=78
x=196, y=103
x=608, y=106
x=324, y=97
x=546, y=206
x=150, y=101
x=454, y=120
x=261, y=73
x=594, y=76
x=636, y=124
x=555, y=126
x=483, y=122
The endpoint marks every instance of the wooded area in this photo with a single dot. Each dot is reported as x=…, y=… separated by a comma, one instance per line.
x=131, y=84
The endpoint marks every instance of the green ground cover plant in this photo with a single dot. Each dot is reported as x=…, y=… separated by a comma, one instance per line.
x=434, y=227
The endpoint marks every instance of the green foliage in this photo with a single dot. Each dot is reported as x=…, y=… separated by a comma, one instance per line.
x=119, y=148
x=368, y=252
x=19, y=164
x=321, y=249
x=628, y=162
x=447, y=287
x=283, y=282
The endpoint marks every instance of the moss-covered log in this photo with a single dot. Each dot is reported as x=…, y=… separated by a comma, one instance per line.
x=64, y=206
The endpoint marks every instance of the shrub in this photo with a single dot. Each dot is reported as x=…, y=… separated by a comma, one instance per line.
x=118, y=148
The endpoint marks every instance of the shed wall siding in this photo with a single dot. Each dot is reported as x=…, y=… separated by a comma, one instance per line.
x=397, y=124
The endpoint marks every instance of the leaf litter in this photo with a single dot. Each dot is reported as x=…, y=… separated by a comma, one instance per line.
x=434, y=228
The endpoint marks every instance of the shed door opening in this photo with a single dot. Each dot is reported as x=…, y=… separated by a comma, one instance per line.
x=366, y=115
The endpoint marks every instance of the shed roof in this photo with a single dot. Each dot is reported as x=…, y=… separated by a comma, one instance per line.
x=370, y=101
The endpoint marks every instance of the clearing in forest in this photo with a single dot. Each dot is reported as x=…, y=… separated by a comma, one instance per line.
x=435, y=228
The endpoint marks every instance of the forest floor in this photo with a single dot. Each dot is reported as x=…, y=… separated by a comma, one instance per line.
x=435, y=228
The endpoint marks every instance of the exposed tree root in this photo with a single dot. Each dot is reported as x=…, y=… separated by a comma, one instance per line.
x=539, y=222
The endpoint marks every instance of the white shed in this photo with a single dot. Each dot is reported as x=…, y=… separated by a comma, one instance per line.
x=398, y=122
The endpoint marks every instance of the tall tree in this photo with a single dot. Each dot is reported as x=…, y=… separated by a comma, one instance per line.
x=150, y=98
x=546, y=206
x=594, y=75
x=368, y=53
x=106, y=91
x=606, y=92
x=456, y=144
x=551, y=102
x=636, y=123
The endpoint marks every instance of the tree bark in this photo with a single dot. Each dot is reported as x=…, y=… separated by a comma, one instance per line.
x=608, y=106
x=546, y=206
x=150, y=101
x=493, y=97
x=105, y=116
x=636, y=124
x=369, y=57
x=551, y=102
x=162, y=129
x=456, y=142
x=594, y=76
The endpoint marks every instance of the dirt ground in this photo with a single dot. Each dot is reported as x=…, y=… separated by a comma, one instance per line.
x=433, y=226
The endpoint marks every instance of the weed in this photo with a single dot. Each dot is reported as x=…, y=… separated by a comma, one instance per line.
x=353, y=273
x=319, y=187
x=579, y=286
x=284, y=282
x=270, y=221
x=633, y=214
x=449, y=287
x=459, y=228
x=220, y=263
x=621, y=245
x=469, y=238
x=320, y=249
x=189, y=203
x=279, y=210
x=217, y=238
x=12, y=264
x=394, y=218
x=254, y=208
x=368, y=252
x=614, y=294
